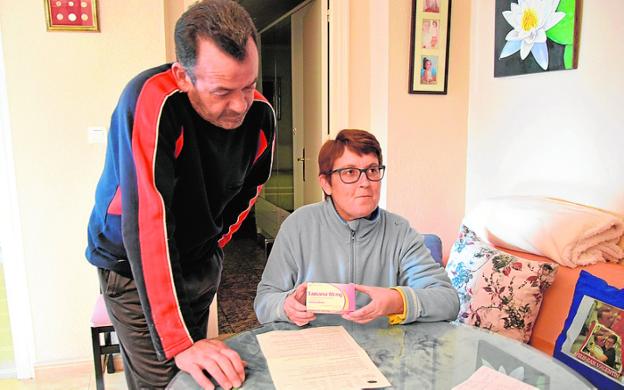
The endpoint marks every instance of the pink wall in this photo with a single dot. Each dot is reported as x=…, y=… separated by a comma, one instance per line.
x=427, y=134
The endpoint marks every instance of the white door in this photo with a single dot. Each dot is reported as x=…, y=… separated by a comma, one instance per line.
x=310, y=95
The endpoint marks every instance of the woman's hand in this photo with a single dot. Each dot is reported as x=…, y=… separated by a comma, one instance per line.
x=295, y=309
x=384, y=301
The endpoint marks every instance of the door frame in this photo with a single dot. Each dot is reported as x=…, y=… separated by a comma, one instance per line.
x=335, y=53
x=11, y=242
x=338, y=80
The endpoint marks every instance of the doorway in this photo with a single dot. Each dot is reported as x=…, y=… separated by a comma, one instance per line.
x=294, y=52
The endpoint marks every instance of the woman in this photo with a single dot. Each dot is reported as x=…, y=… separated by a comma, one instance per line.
x=348, y=239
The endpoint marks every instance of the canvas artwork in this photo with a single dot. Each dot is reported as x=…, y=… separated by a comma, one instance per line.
x=533, y=36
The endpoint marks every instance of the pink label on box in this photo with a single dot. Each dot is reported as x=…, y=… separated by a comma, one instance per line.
x=332, y=298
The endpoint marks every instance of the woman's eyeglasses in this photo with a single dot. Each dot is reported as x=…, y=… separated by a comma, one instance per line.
x=352, y=175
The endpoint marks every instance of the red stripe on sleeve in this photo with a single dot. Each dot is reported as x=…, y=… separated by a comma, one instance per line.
x=155, y=260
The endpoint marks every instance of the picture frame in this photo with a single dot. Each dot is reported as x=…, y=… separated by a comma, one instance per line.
x=560, y=29
x=71, y=15
x=429, y=46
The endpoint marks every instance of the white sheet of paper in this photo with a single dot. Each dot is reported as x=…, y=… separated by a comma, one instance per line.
x=318, y=358
x=486, y=378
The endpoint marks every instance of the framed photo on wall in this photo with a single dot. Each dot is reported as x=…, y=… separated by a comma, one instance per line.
x=429, y=46
x=71, y=15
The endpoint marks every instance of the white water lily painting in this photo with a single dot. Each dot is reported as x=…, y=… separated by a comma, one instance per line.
x=535, y=36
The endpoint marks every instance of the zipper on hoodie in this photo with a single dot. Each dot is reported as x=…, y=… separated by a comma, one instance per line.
x=352, y=256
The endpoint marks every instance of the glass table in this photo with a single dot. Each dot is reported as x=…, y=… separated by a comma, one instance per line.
x=436, y=355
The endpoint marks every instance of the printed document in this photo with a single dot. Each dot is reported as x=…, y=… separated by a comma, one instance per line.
x=318, y=358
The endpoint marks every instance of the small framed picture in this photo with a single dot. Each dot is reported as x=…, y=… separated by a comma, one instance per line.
x=429, y=48
x=71, y=15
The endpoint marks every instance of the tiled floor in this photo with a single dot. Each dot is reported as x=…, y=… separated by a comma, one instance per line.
x=243, y=264
x=242, y=269
x=75, y=376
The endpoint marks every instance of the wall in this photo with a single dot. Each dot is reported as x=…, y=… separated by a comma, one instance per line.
x=425, y=143
x=58, y=84
x=173, y=9
x=359, y=65
x=555, y=133
x=427, y=133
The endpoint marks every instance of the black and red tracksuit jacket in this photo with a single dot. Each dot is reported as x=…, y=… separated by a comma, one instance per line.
x=174, y=188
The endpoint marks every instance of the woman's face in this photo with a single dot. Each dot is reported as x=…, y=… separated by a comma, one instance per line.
x=428, y=65
x=355, y=200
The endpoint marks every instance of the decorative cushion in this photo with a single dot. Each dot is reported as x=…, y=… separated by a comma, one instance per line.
x=498, y=291
x=468, y=256
x=508, y=294
x=592, y=337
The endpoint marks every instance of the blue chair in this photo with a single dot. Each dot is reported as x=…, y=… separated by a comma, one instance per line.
x=434, y=244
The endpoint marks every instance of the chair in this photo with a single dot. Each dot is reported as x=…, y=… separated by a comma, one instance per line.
x=103, y=347
x=434, y=244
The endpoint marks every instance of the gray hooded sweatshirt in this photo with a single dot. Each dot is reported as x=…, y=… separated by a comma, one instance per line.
x=315, y=244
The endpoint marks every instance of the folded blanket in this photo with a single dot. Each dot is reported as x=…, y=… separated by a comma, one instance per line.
x=568, y=233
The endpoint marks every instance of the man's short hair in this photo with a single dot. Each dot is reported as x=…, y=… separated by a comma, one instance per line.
x=359, y=142
x=225, y=22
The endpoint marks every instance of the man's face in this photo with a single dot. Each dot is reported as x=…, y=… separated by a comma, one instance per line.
x=356, y=200
x=224, y=87
x=609, y=342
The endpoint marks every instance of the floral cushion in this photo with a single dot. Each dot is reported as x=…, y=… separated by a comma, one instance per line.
x=497, y=291
x=468, y=256
x=508, y=295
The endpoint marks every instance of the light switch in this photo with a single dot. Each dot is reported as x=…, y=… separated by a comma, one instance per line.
x=96, y=135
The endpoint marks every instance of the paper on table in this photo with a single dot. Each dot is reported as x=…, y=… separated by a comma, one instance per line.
x=318, y=358
x=486, y=378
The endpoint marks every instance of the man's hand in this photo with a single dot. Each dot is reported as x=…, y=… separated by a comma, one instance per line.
x=384, y=301
x=294, y=306
x=220, y=361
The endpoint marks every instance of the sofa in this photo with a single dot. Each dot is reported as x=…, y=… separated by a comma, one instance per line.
x=549, y=273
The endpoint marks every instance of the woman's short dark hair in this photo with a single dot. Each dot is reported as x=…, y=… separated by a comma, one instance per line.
x=359, y=142
x=225, y=22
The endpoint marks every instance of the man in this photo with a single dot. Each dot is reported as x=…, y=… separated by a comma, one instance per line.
x=190, y=146
x=348, y=239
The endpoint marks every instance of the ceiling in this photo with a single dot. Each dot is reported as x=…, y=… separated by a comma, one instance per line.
x=264, y=12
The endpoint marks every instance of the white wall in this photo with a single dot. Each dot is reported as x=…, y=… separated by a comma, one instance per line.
x=423, y=136
x=555, y=133
x=58, y=84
